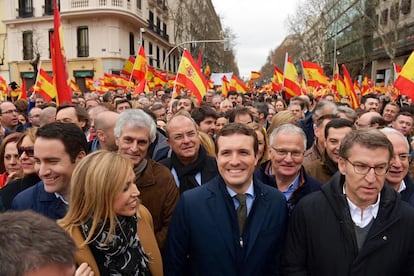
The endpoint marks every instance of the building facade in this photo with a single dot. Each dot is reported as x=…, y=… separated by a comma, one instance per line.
x=99, y=35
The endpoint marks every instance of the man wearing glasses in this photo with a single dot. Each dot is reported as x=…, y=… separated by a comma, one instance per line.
x=397, y=176
x=355, y=225
x=285, y=169
x=9, y=118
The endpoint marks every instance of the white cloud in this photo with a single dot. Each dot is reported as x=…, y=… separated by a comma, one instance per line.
x=259, y=26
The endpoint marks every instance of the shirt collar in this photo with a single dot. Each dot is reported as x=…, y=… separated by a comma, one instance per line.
x=402, y=186
x=249, y=191
x=59, y=196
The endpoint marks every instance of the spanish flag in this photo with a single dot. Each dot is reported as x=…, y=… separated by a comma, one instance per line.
x=238, y=85
x=291, y=78
x=60, y=80
x=129, y=64
x=349, y=88
x=405, y=80
x=224, y=86
x=314, y=74
x=207, y=71
x=44, y=86
x=189, y=75
x=277, y=79
x=255, y=75
x=140, y=65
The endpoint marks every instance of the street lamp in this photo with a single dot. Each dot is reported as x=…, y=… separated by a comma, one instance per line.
x=226, y=41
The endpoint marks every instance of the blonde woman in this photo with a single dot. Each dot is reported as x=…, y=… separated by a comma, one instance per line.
x=113, y=232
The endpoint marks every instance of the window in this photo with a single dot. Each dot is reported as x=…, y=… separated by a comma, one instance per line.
x=150, y=53
x=49, y=6
x=405, y=6
x=384, y=17
x=27, y=45
x=83, y=41
x=395, y=11
x=158, y=57
x=139, y=4
x=151, y=19
x=25, y=8
x=50, y=39
x=158, y=28
x=131, y=44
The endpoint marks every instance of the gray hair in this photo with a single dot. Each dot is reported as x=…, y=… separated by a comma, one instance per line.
x=289, y=129
x=349, y=112
x=135, y=118
x=392, y=131
x=322, y=105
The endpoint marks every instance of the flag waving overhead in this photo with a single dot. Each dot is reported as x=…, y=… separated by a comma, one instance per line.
x=189, y=75
x=44, y=86
x=237, y=84
x=314, y=74
x=255, y=75
x=349, y=88
x=60, y=79
x=405, y=80
x=291, y=78
x=140, y=65
x=224, y=86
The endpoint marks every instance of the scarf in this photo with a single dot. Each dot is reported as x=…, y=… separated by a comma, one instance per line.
x=123, y=252
x=138, y=170
x=186, y=173
x=329, y=164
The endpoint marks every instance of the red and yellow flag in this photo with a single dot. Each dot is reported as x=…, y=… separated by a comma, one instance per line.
x=255, y=75
x=207, y=71
x=60, y=79
x=277, y=79
x=23, y=94
x=237, y=84
x=405, y=80
x=338, y=83
x=349, y=88
x=44, y=86
x=189, y=75
x=129, y=64
x=224, y=86
x=291, y=78
x=74, y=87
x=140, y=65
x=314, y=74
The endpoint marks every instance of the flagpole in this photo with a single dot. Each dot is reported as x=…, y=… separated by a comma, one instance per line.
x=284, y=70
x=175, y=82
x=37, y=76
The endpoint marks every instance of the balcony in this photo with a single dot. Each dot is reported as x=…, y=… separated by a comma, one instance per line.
x=98, y=4
x=25, y=12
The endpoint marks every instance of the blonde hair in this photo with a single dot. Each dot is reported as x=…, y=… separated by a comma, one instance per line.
x=281, y=118
x=95, y=182
x=207, y=143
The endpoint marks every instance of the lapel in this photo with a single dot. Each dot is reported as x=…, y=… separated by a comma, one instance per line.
x=218, y=205
x=84, y=254
x=256, y=217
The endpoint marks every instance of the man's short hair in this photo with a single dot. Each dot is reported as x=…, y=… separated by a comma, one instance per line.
x=369, y=138
x=30, y=241
x=201, y=113
x=81, y=114
x=338, y=123
x=404, y=113
x=239, y=111
x=238, y=128
x=289, y=129
x=369, y=96
x=69, y=134
x=262, y=108
x=321, y=105
x=121, y=101
x=325, y=117
x=135, y=118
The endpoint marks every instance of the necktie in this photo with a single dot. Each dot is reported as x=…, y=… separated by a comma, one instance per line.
x=241, y=211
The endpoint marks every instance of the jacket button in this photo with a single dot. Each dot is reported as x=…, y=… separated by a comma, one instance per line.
x=384, y=238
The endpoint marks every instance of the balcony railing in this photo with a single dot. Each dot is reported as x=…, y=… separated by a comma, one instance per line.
x=93, y=4
x=25, y=12
x=83, y=51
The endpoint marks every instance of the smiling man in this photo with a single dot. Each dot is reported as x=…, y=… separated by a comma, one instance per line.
x=335, y=131
x=355, y=225
x=57, y=149
x=398, y=177
x=232, y=225
x=134, y=131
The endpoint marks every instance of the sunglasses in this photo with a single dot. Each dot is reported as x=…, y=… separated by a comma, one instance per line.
x=28, y=150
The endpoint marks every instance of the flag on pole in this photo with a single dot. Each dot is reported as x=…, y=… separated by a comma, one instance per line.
x=224, y=87
x=23, y=94
x=291, y=78
x=314, y=74
x=255, y=75
x=349, y=88
x=60, y=80
x=200, y=58
x=207, y=71
x=129, y=65
x=277, y=79
x=237, y=84
x=190, y=76
x=140, y=65
x=44, y=86
x=338, y=83
x=405, y=80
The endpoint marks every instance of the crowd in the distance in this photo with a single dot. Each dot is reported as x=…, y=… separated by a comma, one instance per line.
x=249, y=184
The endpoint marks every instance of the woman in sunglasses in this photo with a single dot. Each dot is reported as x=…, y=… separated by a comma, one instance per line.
x=10, y=168
x=26, y=159
x=113, y=231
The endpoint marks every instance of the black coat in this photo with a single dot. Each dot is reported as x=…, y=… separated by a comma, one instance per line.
x=321, y=238
x=9, y=191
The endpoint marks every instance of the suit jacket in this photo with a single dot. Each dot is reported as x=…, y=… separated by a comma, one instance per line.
x=146, y=237
x=37, y=199
x=203, y=238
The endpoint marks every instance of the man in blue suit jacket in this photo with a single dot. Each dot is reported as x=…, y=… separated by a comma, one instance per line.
x=204, y=236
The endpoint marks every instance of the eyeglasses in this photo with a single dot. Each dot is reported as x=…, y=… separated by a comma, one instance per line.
x=28, y=150
x=284, y=153
x=10, y=111
x=403, y=157
x=363, y=169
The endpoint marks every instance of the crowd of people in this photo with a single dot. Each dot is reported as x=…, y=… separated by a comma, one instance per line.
x=249, y=184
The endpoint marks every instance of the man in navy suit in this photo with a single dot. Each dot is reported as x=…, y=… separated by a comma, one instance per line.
x=208, y=235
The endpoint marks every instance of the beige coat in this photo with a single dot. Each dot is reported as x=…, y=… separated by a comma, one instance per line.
x=145, y=234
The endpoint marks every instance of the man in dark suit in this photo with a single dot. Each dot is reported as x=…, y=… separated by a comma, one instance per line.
x=232, y=225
